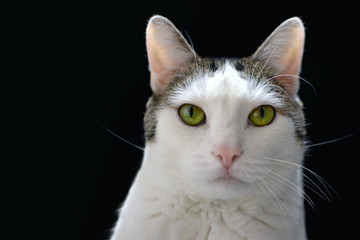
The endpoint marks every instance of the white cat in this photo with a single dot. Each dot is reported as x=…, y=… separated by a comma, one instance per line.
x=224, y=143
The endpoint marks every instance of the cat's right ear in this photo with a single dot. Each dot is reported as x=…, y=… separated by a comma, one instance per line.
x=282, y=52
x=167, y=51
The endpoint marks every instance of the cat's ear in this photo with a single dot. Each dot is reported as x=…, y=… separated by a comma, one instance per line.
x=167, y=51
x=282, y=52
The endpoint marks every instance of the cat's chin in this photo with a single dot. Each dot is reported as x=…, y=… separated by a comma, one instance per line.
x=224, y=187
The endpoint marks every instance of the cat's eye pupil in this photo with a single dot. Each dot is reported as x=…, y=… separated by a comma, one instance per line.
x=191, y=111
x=191, y=114
x=262, y=115
x=262, y=112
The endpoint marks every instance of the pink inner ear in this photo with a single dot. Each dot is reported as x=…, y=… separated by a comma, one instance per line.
x=160, y=81
x=291, y=62
x=163, y=54
x=167, y=50
x=283, y=51
x=290, y=84
x=163, y=59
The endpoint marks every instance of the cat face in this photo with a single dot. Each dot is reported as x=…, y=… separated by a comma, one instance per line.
x=215, y=125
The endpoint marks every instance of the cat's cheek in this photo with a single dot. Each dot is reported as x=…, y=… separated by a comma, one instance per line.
x=176, y=136
x=276, y=140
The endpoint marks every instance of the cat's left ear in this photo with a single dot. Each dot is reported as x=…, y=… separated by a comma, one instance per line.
x=282, y=52
x=167, y=51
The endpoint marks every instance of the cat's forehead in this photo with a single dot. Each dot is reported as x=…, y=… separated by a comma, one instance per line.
x=223, y=88
x=227, y=82
x=223, y=82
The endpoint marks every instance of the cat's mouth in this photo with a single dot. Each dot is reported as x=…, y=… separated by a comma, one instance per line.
x=228, y=178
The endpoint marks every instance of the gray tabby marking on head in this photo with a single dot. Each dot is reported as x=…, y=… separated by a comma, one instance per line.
x=265, y=65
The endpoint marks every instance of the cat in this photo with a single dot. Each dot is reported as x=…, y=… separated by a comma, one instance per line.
x=225, y=142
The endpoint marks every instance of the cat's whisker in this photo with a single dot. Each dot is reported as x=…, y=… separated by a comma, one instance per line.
x=124, y=140
x=308, y=182
x=193, y=49
x=296, y=165
x=267, y=60
x=295, y=76
x=324, y=183
x=278, y=205
x=289, y=211
x=322, y=194
x=283, y=90
x=292, y=186
x=331, y=141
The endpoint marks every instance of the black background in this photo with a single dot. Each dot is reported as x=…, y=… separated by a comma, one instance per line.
x=78, y=67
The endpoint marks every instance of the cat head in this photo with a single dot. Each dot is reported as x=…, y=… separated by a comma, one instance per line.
x=215, y=125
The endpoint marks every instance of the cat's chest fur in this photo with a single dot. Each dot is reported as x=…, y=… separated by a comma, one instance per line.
x=151, y=212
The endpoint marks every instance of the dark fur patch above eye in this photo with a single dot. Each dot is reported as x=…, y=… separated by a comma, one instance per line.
x=213, y=66
x=239, y=66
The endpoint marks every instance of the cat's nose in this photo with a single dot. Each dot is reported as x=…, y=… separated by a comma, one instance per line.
x=227, y=154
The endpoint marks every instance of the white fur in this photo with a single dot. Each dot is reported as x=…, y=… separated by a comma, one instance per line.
x=179, y=192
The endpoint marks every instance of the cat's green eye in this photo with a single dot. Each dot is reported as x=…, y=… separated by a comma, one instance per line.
x=191, y=115
x=262, y=115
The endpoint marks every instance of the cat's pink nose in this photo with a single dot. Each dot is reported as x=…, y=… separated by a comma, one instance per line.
x=227, y=155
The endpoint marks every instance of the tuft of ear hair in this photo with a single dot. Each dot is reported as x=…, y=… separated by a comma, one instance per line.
x=282, y=52
x=167, y=50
